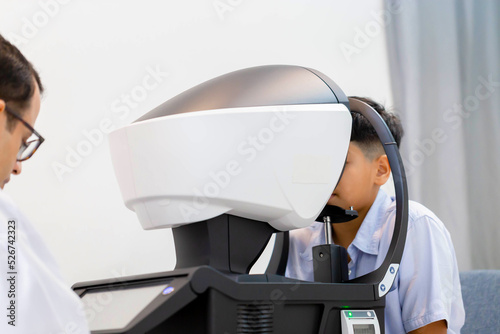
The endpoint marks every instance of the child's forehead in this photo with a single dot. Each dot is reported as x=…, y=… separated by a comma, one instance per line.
x=354, y=147
x=369, y=152
x=355, y=144
x=354, y=150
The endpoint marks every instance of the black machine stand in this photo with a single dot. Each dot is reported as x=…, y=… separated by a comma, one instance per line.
x=330, y=261
x=203, y=299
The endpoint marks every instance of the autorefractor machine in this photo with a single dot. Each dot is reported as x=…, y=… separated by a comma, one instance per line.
x=227, y=164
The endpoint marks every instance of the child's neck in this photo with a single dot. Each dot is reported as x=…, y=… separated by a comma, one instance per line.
x=344, y=233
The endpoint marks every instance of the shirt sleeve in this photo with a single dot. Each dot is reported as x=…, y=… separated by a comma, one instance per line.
x=429, y=285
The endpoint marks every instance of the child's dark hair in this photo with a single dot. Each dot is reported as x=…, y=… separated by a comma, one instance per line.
x=364, y=134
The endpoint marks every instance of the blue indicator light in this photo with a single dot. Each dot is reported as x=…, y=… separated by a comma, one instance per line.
x=168, y=290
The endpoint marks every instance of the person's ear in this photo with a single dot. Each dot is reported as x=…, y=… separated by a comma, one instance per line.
x=3, y=119
x=383, y=170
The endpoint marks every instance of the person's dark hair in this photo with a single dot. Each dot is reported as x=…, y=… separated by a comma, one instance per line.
x=364, y=134
x=17, y=79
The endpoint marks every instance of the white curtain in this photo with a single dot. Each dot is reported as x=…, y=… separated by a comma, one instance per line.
x=444, y=61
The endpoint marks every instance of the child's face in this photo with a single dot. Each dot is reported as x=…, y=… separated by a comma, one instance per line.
x=357, y=187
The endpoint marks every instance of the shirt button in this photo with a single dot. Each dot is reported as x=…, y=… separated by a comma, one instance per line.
x=349, y=272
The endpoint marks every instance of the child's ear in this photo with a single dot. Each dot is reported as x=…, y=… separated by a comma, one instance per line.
x=383, y=170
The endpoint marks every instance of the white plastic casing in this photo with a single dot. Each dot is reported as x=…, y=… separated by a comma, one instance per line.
x=359, y=321
x=277, y=164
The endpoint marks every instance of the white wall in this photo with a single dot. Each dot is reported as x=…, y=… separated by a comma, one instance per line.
x=94, y=55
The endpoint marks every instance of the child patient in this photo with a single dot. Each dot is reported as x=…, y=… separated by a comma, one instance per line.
x=426, y=295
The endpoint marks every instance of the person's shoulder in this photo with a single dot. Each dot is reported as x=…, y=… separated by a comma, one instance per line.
x=7, y=205
x=7, y=209
x=417, y=210
x=10, y=210
x=25, y=229
x=418, y=214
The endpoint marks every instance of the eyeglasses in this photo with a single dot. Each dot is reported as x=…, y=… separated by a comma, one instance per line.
x=29, y=147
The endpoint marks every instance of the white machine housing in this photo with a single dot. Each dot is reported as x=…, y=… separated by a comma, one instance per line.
x=277, y=164
x=359, y=322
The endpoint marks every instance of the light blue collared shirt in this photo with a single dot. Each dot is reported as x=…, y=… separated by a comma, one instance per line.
x=427, y=286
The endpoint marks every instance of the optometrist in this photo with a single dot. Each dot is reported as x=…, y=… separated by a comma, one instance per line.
x=33, y=296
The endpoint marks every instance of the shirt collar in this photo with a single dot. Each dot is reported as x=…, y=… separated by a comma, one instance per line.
x=368, y=237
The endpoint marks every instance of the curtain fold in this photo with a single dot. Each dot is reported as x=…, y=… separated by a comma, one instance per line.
x=444, y=59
